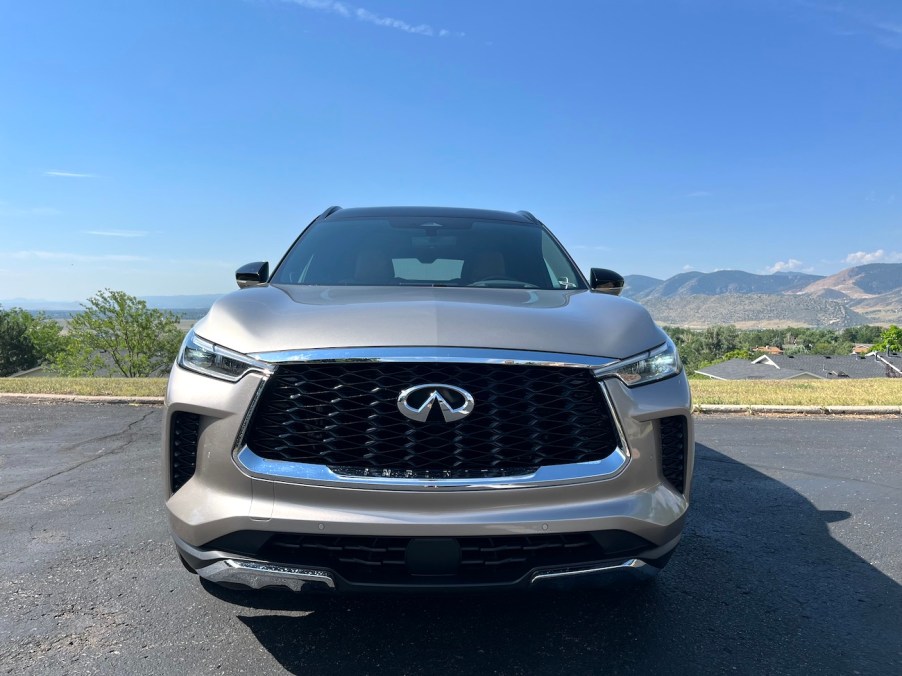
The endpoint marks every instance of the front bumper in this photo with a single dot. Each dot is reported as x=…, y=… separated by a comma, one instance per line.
x=224, y=497
x=235, y=571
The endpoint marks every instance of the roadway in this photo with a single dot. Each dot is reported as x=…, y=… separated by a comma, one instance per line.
x=791, y=563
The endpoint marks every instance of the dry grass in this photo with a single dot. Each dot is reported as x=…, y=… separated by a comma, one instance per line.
x=851, y=392
x=116, y=387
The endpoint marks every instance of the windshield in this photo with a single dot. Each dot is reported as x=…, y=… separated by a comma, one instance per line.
x=420, y=251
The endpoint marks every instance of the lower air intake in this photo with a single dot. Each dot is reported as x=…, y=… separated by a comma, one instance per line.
x=673, y=450
x=183, y=448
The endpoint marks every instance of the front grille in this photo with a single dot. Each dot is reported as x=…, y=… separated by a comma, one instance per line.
x=345, y=416
x=673, y=450
x=183, y=447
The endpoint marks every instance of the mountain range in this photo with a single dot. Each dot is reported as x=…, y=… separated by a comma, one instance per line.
x=864, y=294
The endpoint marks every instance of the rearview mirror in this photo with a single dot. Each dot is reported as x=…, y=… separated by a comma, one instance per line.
x=252, y=274
x=603, y=280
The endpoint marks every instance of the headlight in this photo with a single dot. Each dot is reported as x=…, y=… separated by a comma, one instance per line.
x=657, y=364
x=204, y=357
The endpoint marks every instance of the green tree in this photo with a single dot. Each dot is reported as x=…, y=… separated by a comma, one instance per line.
x=891, y=339
x=118, y=332
x=739, y=354
x=27, y=340
x=862, y=334
x=17, y=352
x=46, y=334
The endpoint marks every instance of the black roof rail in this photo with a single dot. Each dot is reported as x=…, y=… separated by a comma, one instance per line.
x=325, y=214
x=328, y=212
x=529, y=217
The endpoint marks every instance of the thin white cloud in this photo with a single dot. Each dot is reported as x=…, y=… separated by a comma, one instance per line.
x=855, y=21
x=349, y=11
x=878, y=256
x=688, y=268
x=888, y=34
x=700, y=193
x=68, y=174
x=388, y=22
x=66, y=257
x=117, y=233
x=792, y=265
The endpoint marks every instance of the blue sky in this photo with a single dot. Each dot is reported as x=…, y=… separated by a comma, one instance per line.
x=153, y=146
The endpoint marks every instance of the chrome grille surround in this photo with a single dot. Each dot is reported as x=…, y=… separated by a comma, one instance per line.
x=318, y=473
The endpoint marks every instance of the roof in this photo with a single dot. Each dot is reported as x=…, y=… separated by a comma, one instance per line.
x=439, y=212
x=785, y=367
x=837, y=366
x=743, y=369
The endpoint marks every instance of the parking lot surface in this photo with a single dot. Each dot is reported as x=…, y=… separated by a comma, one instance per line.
x=791, y=563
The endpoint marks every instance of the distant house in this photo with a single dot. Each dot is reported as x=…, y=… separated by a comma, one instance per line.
x=893, y=370
x=768, y=349
x=862, y=348
x=786, y=367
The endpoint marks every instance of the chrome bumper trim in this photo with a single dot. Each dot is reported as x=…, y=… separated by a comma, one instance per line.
x=436, y=354
x=258, y=575
x=631, y=565
x=304, y=473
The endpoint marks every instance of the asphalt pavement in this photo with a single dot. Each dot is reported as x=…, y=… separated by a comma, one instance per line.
x=791, y=563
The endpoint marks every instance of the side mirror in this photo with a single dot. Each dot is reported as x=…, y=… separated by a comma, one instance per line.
x=252, y=274
x=603, y=280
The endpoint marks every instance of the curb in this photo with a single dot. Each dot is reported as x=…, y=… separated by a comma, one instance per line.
x=13, y=398
x=747, y=409
x=797, y=410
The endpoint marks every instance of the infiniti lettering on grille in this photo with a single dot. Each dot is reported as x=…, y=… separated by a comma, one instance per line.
x=416, y=402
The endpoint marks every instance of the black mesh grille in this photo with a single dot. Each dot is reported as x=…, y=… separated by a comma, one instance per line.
x=183, y=447
x=481, y=559
x=345, y=415
x=673, y=450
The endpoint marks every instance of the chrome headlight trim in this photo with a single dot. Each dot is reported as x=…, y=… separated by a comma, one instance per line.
x=209, y=359
x=647, y=367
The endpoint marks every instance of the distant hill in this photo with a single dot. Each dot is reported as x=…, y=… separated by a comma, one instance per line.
x=199, y=302
x=858, y=295
x=33, y=305
x=727, y=281
x=864, y=294
x=188, y=302
x=636, y=284
x=862, y=281
x=749, y=311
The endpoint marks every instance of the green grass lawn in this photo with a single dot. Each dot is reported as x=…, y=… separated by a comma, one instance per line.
x=851, y=392
x=845, y=392
x=117, y=387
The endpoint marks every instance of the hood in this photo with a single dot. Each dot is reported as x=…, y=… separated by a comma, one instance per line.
x=274, y=318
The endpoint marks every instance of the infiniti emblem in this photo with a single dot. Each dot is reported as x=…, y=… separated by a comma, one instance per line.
x=454, y=402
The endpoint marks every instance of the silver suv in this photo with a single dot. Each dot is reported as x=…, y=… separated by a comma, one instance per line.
x=425, y=398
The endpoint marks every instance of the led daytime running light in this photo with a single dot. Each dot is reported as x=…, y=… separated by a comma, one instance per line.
x=647, y=367
x=213, y=360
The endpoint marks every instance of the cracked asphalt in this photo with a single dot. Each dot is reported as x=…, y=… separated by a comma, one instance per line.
x=791, y=563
